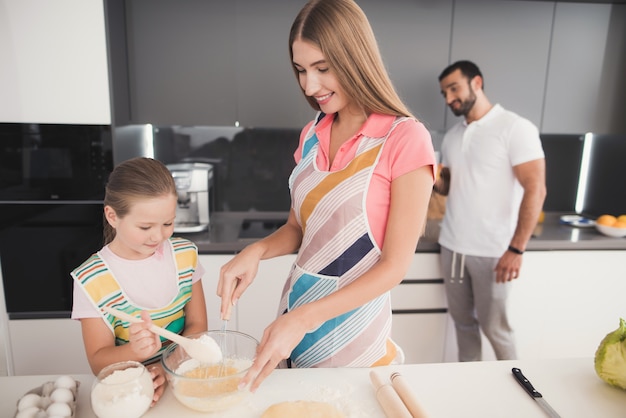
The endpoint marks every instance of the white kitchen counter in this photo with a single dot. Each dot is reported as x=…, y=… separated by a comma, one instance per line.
x=445, y=390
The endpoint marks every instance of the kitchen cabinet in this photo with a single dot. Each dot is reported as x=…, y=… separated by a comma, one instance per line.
x=584, y=108
x=54, y=62
x=419, y=311
x=419, y=320
x=181, y=62
x=258, y=306
x=563, y=304
x=46, y=346
x=510, y=42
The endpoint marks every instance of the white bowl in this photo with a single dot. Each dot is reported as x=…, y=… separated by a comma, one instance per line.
x=611, y=231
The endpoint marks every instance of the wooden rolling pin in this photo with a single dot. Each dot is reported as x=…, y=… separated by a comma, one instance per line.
x=403, y=389
x=388, y=399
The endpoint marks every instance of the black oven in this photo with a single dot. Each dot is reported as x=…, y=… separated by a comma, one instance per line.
x=54, y=162
x=39, y=245
x=52, y=180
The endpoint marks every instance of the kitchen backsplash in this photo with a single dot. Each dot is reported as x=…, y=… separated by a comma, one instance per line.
x=251, y=165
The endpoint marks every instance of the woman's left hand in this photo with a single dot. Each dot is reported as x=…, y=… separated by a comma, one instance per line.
x=279, y=340
x=158, y=380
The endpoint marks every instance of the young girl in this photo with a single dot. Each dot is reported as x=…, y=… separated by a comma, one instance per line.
x=359, y=193
x=140, y=270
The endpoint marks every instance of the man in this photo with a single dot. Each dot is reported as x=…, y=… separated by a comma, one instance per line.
x=493, y=172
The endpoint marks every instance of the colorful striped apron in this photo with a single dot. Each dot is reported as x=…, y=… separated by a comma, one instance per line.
x=337, y=248
x=103, y=289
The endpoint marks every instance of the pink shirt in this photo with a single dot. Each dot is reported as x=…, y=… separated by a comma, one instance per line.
x=407, y=148
x=150, y=283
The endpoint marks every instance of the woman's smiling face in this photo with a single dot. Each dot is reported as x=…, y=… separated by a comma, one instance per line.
x=317, y=78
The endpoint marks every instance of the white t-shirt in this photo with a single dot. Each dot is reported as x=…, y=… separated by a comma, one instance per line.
x=149, y=283
x=482, y=206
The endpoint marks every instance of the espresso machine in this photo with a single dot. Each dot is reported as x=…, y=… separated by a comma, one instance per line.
x=193, y=183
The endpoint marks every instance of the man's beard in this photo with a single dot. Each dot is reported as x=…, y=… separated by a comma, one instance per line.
x=466, y=105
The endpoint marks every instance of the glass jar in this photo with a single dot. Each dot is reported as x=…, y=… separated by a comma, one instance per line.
x=122, y=390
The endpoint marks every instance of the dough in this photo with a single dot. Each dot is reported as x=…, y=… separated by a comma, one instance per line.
x=302, y=409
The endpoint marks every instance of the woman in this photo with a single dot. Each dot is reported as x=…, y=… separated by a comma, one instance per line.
x=359, y=192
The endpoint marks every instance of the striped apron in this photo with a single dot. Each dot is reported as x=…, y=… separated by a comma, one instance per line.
x=100, y=285
x=337, y=248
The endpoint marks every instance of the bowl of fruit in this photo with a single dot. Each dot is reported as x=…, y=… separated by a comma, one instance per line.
x=612, y=226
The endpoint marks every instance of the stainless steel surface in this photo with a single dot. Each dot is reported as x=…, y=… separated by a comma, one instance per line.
x=193, y=182
x=547, y=408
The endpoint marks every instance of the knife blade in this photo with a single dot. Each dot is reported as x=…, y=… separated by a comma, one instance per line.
x=538, y=397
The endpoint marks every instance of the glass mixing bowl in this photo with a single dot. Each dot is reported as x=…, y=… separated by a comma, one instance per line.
x=210, y=387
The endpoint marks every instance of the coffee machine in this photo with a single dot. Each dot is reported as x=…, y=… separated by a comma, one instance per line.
x=193, y=183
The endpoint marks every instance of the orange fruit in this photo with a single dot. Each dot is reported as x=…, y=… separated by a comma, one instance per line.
x=621, y=218
x=606, y=220
x=619, y=224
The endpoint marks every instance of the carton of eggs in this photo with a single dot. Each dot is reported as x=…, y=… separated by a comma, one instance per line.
x=51, y=400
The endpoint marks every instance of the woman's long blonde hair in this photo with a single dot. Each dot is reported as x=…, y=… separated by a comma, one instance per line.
x=132, y=180
x=340, y=29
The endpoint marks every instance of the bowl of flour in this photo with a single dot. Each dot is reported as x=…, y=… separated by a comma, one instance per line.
x=122, y=390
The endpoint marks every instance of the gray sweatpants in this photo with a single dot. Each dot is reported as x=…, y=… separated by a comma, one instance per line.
x=475, y=302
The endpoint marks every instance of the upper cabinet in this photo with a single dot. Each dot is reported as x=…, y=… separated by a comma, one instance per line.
x=182, y=65
x=198, y=62
x=575, y=75
x=510, y=42
x=54, y=62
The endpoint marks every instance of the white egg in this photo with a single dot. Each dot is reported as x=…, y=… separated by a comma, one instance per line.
x=62, y=395
x=65, y=382
x=42, y=414
x=30, y=412
x=28, y=400
x=58, y=408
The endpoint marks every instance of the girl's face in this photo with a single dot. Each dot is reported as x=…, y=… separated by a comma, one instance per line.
x=149, y=222
x=317, y=78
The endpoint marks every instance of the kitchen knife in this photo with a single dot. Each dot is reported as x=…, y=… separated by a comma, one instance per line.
x=521, y=379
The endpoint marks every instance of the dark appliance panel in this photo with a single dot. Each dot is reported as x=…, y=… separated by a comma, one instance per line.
x=563, y=158
x=39, y=245
x=54, y=162
x=606, y=179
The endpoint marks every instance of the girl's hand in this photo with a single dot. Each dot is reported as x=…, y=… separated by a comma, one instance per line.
x=159, y=381
x=279, y=340
x=143, y=342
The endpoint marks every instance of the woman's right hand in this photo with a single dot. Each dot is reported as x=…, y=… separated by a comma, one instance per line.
x=236, y=276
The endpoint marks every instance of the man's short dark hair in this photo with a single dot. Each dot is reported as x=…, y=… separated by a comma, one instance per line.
x=468, y=69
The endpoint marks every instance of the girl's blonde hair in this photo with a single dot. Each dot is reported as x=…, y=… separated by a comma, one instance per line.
x=340, y=29
x=132, y=180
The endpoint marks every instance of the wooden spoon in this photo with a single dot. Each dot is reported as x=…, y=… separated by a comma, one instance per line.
x=205, y=351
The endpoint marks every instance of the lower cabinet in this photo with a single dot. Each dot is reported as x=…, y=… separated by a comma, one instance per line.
x=419, y=305
x=420, y=311
x=562, y=305
x=258, y=306
x=46, y=346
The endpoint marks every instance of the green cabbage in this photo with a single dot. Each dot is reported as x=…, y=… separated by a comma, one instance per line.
x=610, y=359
